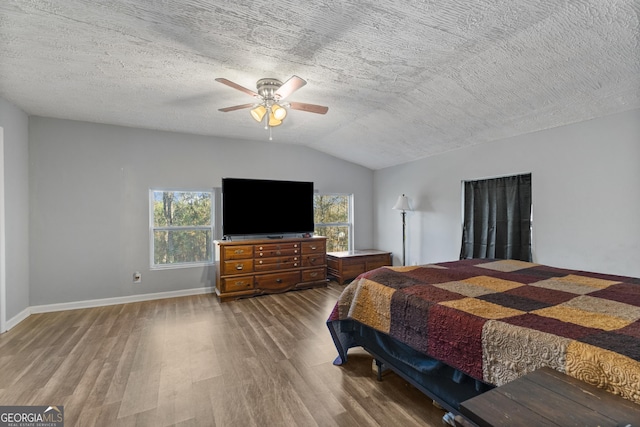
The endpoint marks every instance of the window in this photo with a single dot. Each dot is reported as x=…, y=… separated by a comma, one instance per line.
x=332, y=217
x=181, y=228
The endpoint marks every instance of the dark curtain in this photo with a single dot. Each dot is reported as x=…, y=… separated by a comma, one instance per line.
x=497, y=218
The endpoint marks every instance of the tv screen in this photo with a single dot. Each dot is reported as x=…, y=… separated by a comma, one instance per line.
x=266, y=207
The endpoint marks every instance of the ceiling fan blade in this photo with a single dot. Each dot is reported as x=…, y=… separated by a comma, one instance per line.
x=290, y=86
x=238, y=87
x=310, y=108
x=235, y=107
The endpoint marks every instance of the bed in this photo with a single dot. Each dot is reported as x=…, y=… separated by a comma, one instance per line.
x=457, y=329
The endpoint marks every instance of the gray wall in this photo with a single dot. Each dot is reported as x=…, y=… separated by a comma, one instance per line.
x=586, y=195
x=88, y=207
x=89, y=188
x=16, y=179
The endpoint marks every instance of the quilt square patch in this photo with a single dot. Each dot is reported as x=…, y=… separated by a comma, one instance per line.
x=507, y=265
x=549, y=296
x=619, y=343
x=461, y=347
x=466, y=289
x=431, y=275
x=514, y=301
x=605, y=306
x=623, y=292
x=584, y=318
x=551, y=326
x=390, y=277
x=372, y=305
x=592, y=282
x=575, y=284
x=509, y=353
x=432, y=293
x=604, y=368
x=409, y=324
x=495, y=284
x=633, y=330
x=483, y=309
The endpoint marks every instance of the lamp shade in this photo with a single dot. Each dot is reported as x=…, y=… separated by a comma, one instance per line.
x=273, y=121
x=402, y=204
x=279, y=113
x=258, y=113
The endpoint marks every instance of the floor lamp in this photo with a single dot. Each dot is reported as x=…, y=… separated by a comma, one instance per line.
x=403, y=205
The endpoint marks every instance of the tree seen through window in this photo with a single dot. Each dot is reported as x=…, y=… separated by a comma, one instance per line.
x=332, y=217
x=182, y=227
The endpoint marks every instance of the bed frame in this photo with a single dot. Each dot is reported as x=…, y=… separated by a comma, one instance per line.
x=447, y=386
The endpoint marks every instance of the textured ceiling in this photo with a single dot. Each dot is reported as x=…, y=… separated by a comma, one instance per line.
x=403, y=79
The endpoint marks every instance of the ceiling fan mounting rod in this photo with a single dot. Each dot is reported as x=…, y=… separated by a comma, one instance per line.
x=267, y=89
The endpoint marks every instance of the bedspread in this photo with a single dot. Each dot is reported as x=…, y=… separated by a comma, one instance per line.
x=496, y=320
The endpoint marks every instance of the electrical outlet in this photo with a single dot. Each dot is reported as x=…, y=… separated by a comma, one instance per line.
x=137, y=277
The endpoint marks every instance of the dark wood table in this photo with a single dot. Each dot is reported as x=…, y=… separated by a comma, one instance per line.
x=549, y=398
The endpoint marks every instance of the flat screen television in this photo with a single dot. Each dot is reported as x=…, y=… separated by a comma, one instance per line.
x=266, y=207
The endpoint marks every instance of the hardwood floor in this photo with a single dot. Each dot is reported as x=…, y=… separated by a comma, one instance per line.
x=192, y=361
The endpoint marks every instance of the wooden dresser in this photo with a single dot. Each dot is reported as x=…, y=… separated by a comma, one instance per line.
x=253, y=267
x=349, y=264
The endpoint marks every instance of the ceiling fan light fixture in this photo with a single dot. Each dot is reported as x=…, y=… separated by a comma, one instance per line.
x=279, y=113
x=269, y=107
x=273, y=121
x=258, y=113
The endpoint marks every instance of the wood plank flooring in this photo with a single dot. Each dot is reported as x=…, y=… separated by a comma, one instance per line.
x=192, y=361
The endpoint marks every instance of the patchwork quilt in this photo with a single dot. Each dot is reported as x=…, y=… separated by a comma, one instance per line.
x=496, y=320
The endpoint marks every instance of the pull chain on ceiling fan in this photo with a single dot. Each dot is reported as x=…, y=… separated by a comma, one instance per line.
x=271, y=93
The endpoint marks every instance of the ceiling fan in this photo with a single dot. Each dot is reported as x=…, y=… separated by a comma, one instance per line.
x=270, y=95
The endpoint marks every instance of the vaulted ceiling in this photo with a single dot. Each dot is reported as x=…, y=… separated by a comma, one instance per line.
x=403, y=79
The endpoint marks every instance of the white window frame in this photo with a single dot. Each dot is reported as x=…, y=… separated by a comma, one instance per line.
x=349, y=224
x=153, y=228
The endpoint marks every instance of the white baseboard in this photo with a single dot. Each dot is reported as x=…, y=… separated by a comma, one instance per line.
x=48, y=308
x=17, y=319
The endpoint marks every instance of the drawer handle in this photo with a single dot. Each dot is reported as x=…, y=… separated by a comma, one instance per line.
x=295, y=264
x=313, y=248
x=239, y=251
x=312, y=259
x=260, y=261
x=278, y=280
x=239, y=266
x=314, y=274
x=260, y=248
x=278, y=253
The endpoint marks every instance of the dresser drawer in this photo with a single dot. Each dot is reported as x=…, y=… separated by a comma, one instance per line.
x=237, y=252
x=313, y=260
x=237, y=267
x=237, y=284
x=278, y=260
x=276, y=250
x=267, y=251
x=280, y=263
x=314, y=247
x=313, y=275
x=277, y=281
